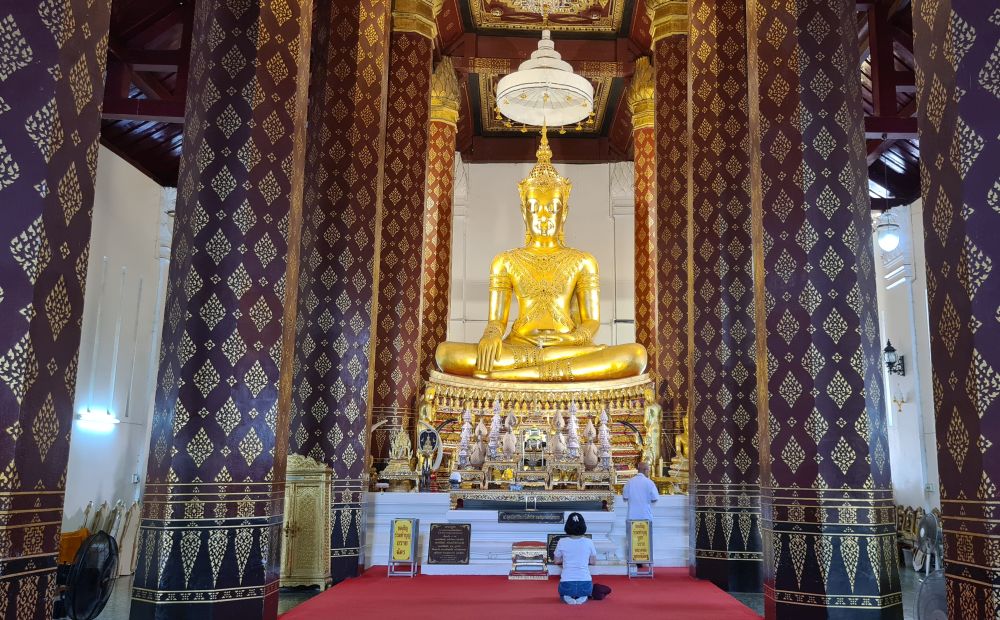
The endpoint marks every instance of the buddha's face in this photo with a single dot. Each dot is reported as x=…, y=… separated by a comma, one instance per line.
x=544, y=211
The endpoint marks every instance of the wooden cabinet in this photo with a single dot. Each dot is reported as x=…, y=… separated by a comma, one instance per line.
x=305, y=543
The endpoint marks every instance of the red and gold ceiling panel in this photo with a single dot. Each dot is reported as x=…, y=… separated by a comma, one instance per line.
x=578, y=16
x=605, y=76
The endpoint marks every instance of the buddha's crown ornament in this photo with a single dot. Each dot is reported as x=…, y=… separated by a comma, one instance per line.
x=544, y=175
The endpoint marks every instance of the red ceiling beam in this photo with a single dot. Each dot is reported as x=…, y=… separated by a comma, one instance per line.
x=137, y=66
x=890, y=128
x=159, y=61
x=157, y=24
x=522, y=149
x=473, y=45
x=883, y=65
x=151, y=110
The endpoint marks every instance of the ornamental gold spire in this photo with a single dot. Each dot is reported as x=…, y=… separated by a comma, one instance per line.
x=641, y=94
x=419, y=16
x=668, y=18
x=544, y=174
x=444, y=93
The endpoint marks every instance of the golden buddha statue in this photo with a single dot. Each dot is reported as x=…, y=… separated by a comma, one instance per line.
x=652, y=423
x=679, y=463
x=557, y=289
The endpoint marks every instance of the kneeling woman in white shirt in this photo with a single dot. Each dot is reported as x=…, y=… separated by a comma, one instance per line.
x=576, y=553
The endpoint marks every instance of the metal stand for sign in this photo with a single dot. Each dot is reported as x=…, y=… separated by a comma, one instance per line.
x=639, y=569
x=408, y=567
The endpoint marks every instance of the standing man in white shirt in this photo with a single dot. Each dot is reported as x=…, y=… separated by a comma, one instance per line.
x=640, y=494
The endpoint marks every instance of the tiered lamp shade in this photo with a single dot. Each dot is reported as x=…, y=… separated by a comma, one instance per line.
x=544, y=90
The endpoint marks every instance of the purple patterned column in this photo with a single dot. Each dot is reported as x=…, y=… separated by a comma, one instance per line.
x=212, y=508
x=52, y=61
x=828, y=519
x=725, y=478
x=339, y=247
x=957, y=47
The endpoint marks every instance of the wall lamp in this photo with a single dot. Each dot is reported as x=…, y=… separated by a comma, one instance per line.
x=894, y=363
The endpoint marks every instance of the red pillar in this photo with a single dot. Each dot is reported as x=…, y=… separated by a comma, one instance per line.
x=670, y=66
x=397, y=331
x=436, y=286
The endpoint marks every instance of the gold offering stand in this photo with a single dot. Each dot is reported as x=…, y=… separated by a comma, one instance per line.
x=498, y=473
x=599, y=478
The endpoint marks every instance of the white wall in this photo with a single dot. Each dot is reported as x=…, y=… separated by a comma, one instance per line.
x=487, y=220
x=125, y=254
x=903, y=317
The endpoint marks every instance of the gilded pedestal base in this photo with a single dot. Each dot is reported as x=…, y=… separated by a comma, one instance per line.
x=400, y=475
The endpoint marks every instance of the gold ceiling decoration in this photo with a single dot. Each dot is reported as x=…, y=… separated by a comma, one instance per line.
x=584, y=16
x=491, y=72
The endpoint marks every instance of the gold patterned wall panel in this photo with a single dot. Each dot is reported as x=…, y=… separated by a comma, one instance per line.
x=397, y=331
x=670, y=66
x=52, y=63
x=957, y=46
x=212, y=509
x=339, y=245
x=725, y=482
x=828, y=516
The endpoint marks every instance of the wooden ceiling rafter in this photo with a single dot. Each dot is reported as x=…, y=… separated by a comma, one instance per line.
x=888, y=76
x=145, y=89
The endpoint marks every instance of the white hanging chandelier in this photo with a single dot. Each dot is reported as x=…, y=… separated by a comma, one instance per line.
x=544, y=90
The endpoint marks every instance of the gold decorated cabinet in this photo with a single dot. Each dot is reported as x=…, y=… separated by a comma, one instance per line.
x=305, y=541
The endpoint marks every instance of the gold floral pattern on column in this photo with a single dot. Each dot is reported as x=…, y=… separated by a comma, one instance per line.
x=52, y=65
x=640, y=98
x=215, y=477
x=670, y=66
x=397, y=331
x=339, y=249
x=828, y=514
x=725, y=474
x=958, y=93
x=436, y=287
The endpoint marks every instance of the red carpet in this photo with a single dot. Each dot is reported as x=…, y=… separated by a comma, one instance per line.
x=672, y=594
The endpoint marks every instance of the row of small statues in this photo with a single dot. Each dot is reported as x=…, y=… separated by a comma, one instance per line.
x=500, y=441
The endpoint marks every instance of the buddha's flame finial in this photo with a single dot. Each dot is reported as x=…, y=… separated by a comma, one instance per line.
x=544, y=174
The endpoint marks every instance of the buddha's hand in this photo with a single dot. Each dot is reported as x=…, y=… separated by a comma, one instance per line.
x=488, y=351
x=575, y=338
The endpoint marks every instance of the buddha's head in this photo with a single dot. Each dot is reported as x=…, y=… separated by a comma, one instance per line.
x=544, y=197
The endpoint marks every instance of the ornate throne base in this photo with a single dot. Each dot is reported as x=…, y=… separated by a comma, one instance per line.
x=535, y=404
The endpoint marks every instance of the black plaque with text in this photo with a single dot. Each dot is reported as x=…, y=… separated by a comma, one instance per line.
x=529, y=516
x=449, y=543
x=550, y=545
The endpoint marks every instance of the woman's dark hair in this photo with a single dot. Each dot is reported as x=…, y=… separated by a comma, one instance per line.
x=575, y=525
